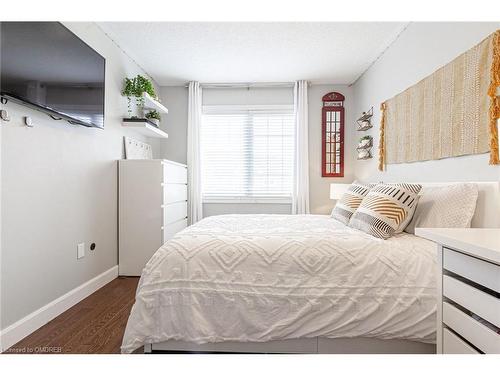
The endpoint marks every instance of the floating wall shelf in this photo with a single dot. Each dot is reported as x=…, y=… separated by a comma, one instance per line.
x=364, y=122
x=364, y=147
x=152, y=104
x=144, y=127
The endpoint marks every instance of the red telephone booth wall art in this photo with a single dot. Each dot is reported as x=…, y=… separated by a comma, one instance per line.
x=332, y=135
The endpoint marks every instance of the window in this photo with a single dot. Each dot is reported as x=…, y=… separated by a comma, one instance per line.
x=247, y=153
x=332, y=158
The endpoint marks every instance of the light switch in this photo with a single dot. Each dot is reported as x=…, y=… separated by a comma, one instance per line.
x=80, y=253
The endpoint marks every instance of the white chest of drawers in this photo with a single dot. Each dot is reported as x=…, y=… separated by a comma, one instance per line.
x=468, y=320
x=152, y=208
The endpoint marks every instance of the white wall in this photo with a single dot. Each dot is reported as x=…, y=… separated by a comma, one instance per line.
x=420, y=50
x=175, y=98
x=59, y=188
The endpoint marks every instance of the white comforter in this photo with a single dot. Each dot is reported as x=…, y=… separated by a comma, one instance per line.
x=272, y=277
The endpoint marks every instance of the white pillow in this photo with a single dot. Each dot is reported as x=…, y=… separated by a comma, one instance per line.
x=450, y=206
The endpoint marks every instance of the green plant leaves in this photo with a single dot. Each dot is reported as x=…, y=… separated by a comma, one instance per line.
x=137, y=86
x=153, y=115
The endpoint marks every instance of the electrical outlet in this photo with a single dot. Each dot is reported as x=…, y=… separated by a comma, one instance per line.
x=80, y=250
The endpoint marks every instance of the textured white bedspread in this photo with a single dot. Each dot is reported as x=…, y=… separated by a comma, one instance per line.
x=272, y=277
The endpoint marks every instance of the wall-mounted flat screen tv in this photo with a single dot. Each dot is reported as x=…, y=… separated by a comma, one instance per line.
x=45, y=66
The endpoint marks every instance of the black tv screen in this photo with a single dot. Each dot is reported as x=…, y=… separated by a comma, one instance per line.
x=45, y=66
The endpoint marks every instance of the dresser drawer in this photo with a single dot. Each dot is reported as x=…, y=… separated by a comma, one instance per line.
x=174, y=193
x=174, y=173
x=174, y=212
x=452, y=344
x=479, y=271
x=475, y=300
x=172, y=229
x=473, y=331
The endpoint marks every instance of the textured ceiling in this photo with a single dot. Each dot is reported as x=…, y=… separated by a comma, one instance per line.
x=174, y=53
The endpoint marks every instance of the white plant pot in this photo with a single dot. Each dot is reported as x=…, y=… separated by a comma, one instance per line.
x=364, y=125
x=139, y=108
x=364, y=154
x=136, y=107
x=155, y=121
x=364, y=143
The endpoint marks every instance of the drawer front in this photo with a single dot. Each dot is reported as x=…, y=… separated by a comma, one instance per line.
x=452, y=344
x=475, y=300
x=174, y=193
x=174, y=212
x=474, y=269
x=473, y=331
x=172, y=229
x=174, y=174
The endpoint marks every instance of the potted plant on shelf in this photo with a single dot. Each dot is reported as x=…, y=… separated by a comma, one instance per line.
x=154, y=117
x=365, y=142
x=134, y=88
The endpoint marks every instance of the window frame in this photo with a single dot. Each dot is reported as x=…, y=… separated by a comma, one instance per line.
x=221, y=109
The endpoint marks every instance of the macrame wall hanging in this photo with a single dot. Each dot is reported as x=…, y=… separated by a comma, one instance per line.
x=452, y=112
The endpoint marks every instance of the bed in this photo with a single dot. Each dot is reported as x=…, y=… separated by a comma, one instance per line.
x=262, y=278
x=287, y=284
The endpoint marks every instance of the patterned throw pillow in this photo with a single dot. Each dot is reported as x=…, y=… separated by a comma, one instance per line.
x=386, y=210
x=350, y=201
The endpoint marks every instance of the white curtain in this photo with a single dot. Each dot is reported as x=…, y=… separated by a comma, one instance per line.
x=300, y=203
x=195, y=207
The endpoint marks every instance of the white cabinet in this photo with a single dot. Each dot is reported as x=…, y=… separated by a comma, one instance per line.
x=152, y=208
x=468, y=290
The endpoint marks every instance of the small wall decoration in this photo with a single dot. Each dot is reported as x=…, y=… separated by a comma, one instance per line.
x=364, y=147
x=135, y=149
x=364, y=154
x=452, y=112
x=364, y=122
x=332, y=160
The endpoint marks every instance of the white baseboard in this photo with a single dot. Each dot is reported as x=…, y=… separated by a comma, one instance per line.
x=27, y=325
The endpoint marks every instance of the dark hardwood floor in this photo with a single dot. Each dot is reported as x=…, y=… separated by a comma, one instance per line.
x=94, y=325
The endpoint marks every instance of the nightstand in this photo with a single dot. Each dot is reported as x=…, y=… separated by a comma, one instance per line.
x=468, y=313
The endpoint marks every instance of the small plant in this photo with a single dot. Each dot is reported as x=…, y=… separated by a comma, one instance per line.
x=129, y=91
x=153, y=115
x=366, y=137
x=136, y=87
x=143, y=85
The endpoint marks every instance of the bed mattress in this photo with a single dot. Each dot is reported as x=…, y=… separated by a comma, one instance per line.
x=273, y=277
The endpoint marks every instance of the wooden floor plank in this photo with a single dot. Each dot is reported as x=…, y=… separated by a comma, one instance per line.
x=71, y=317
x=86, y=332
x=103, y=309
x=94, y=325
x=109, y=339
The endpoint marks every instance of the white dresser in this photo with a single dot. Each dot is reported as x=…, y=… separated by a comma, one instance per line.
x=152, y=208
x=468, y=289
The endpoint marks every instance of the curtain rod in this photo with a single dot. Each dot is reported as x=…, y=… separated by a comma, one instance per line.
x=245, y=85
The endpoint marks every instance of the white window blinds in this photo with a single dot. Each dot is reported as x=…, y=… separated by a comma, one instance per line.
x=247, y=152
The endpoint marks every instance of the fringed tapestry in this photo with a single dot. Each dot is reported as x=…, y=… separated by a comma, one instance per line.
x=452, y=112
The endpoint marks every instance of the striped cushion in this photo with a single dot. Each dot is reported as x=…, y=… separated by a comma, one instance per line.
x=387, y=209
x=350, y=201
